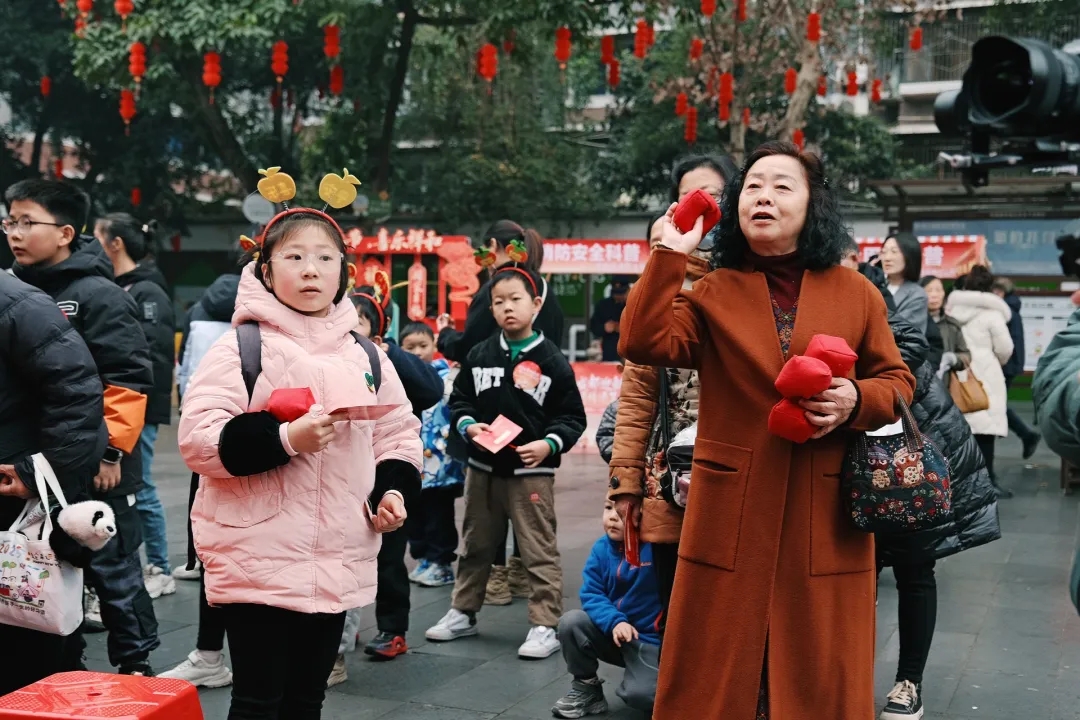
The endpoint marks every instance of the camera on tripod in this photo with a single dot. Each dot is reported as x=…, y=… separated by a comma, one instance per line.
x=1024, y=93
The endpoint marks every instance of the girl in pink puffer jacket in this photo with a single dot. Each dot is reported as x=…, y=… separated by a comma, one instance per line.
x=287, y=517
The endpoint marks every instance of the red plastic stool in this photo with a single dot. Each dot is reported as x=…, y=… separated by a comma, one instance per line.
x=87, y=695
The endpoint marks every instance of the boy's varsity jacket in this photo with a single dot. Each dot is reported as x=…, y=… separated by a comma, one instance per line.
x=537, y=390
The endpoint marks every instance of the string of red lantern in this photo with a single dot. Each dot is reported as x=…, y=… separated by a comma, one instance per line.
x=508, y=42
x=791, y=79
x=708, y=7
x=613, y=74
x=46, y=86
x=641, y=39
x=798, y=138
x=681, y=103
x=724, y=112
x=727, y=87
x=488, y=63
x=123, y=9
x=697, y=47
x=813, y=27
x=85, y=8
x=332, y=50
x=875, y=91
x=127, y=109
x=690, y=133
x=136, y=197
x=852, y=84
x=607, y=49
x=137, y=63
x=746, y=116
x=916, y=39
x=822, y=86
x=80, y=27
x=740, y=11
x=562, y=46
x=279, y=61
x=211, y=74
x=337, y=80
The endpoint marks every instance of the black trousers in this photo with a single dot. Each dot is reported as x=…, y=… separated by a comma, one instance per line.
x=192, y=558
x=986, y=445
x=211, y=635
x=392, y=596
x=665, y=560
x=433, y=536
x=280, y=660
x=916, y=589
x=36, y=655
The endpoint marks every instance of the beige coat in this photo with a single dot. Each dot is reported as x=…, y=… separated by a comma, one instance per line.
x=985, y=320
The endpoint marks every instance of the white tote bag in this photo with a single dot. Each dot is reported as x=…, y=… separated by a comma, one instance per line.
x=38, y=590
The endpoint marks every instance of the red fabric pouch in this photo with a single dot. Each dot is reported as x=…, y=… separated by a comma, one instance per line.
x=834, y=352
x=803, y=377
x=288, y=404
x=788, y=420
x=697, y=204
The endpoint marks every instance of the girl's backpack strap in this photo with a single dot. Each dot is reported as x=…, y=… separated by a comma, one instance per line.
x=249, y=342
x=373, y=358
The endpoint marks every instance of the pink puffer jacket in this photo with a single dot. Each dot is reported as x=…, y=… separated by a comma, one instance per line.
x=296, y=537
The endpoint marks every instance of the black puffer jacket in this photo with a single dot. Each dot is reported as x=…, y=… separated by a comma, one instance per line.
x=975, y=515
x=148, y=288
x=50, y=399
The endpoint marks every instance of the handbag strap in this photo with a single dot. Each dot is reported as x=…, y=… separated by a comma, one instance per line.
x=912, y=437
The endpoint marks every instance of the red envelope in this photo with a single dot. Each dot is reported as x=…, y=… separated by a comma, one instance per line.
x=365, y=412
x=501, y=433
x=834, y=352
x=288, y=404
x=697, y=204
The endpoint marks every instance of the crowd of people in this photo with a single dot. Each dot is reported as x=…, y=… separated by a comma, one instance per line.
x=323, y=451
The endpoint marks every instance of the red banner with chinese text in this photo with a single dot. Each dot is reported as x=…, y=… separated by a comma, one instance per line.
x=599, y=385
x=590, y=256
x=943, y=256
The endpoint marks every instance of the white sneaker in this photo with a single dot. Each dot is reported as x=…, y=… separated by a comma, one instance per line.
x=200, y=672
x=157, y=582
x=454, y=624
x=186, y=573
x=542, y=642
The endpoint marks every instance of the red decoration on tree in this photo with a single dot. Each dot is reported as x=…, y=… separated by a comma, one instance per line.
x=508, y=42
x=791, y=79
x=641, y=39
x=852, y=84
x=275, y=98
x=607, y=49
x=690, y=133
x=708, y=7
x=80, y=26
x=58, y=168
x=822, y=86
x=127, y=108
x=813, y=27
x=279, y=60
x=136, y=197
x=724, y=112
x=697, y=46
x=337, y=80
x=875, y=91
x=137, y=62
x=746, y=116
x=727, y=87
x=798, y=138
x=85, y=7
x=46, y=86
x=613, y=74
x=488, y=62
x=211, y=72
x=681, y=103
x=562, y=46
x=123, y=9
x=916, y=39
x=740, y=11
x=331, y=41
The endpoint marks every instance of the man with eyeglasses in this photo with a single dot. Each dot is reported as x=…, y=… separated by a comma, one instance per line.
x=43, y=232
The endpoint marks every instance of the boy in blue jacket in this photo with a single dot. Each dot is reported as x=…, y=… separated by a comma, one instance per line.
x=618, y=623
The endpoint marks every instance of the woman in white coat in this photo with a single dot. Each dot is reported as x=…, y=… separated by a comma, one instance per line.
x=985, y=320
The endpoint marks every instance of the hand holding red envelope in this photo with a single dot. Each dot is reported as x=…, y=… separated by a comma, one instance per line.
x=499, y=434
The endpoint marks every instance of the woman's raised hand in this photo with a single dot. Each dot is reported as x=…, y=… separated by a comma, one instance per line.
x=681, y=242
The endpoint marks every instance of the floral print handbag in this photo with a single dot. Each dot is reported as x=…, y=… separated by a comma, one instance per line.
x=896, y=483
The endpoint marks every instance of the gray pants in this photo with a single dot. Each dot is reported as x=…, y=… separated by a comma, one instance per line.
x=584, y=645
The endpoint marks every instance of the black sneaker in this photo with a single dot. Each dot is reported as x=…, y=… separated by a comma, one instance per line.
x=905, y=702
x=142, y=669
x=386, y=646
x=584, y=698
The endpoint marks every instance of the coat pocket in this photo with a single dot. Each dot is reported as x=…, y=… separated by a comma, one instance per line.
x=837, y=547
x=714, y=506
x=248, y=510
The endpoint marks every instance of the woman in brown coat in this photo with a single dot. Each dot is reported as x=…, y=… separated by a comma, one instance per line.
x=772, y=613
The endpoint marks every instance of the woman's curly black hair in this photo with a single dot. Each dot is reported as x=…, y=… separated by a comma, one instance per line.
x=824, y=235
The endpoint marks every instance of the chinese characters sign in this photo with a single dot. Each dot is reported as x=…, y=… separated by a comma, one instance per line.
x=944, y=256
x=599, y=385
x=589, y=256
x=400, y=241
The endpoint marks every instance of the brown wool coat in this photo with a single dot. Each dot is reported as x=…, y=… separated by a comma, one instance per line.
x=766, y=552
x=638, y=402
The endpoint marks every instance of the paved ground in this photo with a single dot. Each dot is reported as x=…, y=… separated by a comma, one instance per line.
x=1007, y=642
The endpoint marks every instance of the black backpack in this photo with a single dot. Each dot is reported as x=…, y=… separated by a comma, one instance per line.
x=249, y=341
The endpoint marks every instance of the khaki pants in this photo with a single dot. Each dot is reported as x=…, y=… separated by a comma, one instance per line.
x=529, y=502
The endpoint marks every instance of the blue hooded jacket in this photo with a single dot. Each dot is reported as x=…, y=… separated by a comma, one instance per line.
x=615, y=591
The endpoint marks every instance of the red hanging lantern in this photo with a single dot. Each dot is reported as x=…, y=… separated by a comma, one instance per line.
x=915, y=43
x=508, y=42
x=690, y=133
x=852, y=84
x=58, y=168
x=331, y=41
x=127, y=108
x=813, y=27
x=137, y=62
x=746, y=116
x=641, y=39
x=337, y=80
x=607, y=49
x=791, y=79
x=136, y=197
x=123, y=9
x=80, y=26
x=798, y=138
x=211, y=74
x=708, y=7
x=875, y=91
x=727, y=87
x=681, y=103
x=46, y=86
x=740, y=11
x=488, y=63
x=724, y=112
x=275, y=98
x=697, y=47
x=613, y=74
x=85, y=7
x=279, y=60
x=562, y=46
x=822, y=86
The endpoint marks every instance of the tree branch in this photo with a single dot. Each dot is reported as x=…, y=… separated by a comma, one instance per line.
x=397, y=91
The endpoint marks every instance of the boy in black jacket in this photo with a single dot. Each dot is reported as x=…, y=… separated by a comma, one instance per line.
x=521, y=375
x=52, y=256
